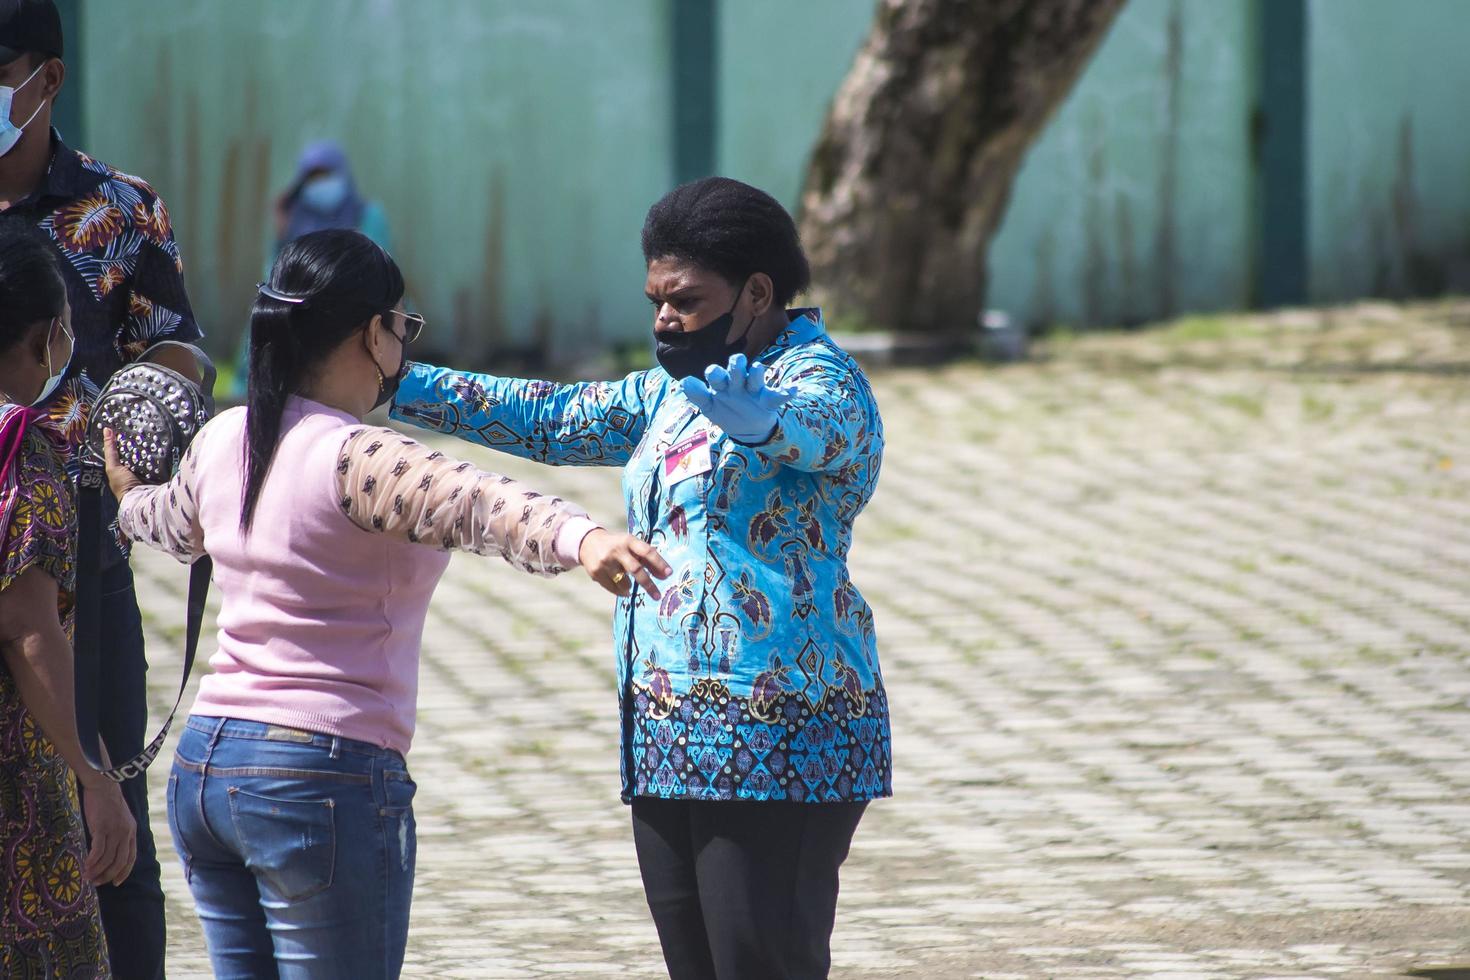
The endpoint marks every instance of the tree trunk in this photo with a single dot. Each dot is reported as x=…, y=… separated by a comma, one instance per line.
x=913, y=170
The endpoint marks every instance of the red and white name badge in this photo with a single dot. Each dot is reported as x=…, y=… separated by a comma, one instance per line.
x=690, y=457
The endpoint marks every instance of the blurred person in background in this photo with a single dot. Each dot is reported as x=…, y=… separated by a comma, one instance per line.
x=125, y=288
x=322, y=195
x=50, y=925
x=754, y=717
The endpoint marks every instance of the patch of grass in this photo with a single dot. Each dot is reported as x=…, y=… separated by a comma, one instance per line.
x=1196, y=328
x=976, y=435
x=536, y=747
x=1061, y=333
x=895, y=532
x=1375, y=656
x=1252, y=405
x=224, y=380
x=1315, y=409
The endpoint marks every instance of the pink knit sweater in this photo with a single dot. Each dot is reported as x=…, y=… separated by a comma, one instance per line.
x=321, y=618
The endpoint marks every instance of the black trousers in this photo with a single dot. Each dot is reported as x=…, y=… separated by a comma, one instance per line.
x=132, y=913
x=743, y=891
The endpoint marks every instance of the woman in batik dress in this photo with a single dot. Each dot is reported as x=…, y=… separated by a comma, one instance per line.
x=49, y=921
x=754, y=717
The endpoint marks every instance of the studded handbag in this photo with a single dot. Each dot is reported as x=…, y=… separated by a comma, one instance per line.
x=155, y=412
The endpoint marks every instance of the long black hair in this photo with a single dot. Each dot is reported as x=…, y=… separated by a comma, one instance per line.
x=31, y=287
x=343, y=279
x=730, y=228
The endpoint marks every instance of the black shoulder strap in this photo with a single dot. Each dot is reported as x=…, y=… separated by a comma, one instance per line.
x=88, y=630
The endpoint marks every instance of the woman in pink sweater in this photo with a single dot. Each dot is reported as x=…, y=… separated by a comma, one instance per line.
x=289, y=800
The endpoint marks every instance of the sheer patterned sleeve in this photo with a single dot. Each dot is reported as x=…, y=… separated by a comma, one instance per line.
x=390, y=484
x=165, y=516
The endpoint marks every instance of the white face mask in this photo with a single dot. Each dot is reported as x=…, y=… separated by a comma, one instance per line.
x=10, y=133
x=57, y=371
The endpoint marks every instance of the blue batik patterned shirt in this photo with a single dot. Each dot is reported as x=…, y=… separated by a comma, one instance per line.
x=756, y=677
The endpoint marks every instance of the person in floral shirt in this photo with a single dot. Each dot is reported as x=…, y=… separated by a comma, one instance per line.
x=754, y=717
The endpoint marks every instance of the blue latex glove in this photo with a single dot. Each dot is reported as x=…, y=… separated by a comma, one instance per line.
x=738, y=400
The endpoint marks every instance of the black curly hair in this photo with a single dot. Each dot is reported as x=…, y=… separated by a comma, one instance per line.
x=730, y=228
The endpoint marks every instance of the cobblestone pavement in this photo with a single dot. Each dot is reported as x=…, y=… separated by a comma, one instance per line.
x=1175, y=631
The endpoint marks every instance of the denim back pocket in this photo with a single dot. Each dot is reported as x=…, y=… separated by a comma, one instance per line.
x=289, y=844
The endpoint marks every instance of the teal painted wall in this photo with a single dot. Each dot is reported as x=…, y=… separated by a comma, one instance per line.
x=515, y=146
x=1136, y=202
x=1388, y=149
x=780, y=64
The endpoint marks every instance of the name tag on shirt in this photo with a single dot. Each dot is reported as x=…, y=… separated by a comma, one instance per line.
x=690, y=457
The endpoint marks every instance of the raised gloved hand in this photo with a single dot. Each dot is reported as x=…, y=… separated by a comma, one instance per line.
x=737, y=399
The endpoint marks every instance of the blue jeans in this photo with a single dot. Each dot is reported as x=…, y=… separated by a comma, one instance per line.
x=299, y=849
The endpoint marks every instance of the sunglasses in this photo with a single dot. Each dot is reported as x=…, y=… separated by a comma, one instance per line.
x=413, y=325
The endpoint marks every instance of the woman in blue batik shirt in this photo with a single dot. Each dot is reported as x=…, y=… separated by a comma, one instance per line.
x=754, y=720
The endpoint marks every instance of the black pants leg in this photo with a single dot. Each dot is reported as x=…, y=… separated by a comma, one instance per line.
x=132, y=913
x=743, y=891
x=664, y=840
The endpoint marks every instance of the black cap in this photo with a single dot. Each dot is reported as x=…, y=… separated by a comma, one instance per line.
x=29, y=25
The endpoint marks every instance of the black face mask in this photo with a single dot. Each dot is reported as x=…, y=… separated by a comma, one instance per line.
x=686, y=354
x=390, y=384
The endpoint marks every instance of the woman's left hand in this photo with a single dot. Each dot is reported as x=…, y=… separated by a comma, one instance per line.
x=119, y=477
x=738, y=400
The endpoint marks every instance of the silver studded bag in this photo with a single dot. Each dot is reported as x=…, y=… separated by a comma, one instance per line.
x=155, y=412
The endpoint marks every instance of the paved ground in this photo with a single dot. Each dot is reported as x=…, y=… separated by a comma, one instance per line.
x=1175, y=630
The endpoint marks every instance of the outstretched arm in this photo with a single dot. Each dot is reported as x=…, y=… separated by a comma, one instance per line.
x=596, y=423
x=391, y=484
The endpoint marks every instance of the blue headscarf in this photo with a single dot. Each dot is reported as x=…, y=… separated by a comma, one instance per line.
x=301, y=218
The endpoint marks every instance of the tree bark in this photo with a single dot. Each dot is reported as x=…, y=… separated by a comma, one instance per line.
x=913, y=170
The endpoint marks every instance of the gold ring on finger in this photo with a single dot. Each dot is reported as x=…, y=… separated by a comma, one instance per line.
x=618, y=578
